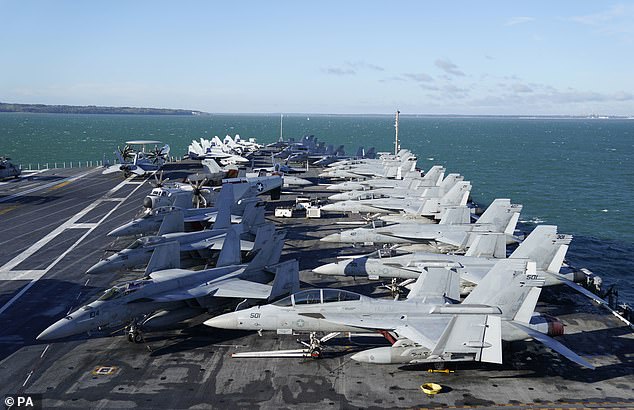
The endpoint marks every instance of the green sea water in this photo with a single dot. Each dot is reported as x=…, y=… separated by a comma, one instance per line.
x=574, y=173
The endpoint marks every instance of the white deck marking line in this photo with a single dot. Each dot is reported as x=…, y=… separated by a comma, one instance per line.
x=21, y=274
x=50, y=184
x=83, y=225
x=44, y=352
x=27, y=378
x=35, y=247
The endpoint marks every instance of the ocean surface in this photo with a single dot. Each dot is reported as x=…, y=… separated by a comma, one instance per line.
x=574, y=173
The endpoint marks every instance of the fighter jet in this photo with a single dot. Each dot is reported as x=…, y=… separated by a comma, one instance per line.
x=500, y=217
x=423, y=328
x=200, y=243
x=429, y=203
x=544, y=246
x=433, y=177
x=387, y=169
x=417, y=186
x=168, y=295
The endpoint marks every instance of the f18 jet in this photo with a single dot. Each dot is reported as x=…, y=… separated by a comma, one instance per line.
x=168, y=295
x=500, y=217
x=421, y=204
x=423, y=328
x=415, y=187
x=544, y=246
x=200, y=243
x=433, y=177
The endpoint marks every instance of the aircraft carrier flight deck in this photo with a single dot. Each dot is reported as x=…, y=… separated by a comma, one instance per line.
x=53, y=227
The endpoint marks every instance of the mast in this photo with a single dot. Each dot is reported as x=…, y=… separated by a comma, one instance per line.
x=397, y=146
x=281, y=126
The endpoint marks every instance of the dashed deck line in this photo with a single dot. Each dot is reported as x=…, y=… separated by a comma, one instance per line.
x=6, y=272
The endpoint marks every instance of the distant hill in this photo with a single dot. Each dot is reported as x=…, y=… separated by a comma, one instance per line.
x=91, y=109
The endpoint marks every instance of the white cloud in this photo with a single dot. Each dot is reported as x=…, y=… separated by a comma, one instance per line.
x=356, y=65
x=420, y=78
x=617, y=20
x=448, y=67
x=338, y=71
x=513, y=21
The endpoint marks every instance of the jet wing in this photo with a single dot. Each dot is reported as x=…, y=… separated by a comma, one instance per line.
x=229, y=288
x=457, y=334
x=479, y=334
x=415, y=334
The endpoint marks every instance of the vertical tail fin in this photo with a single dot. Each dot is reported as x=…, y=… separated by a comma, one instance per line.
x=253, y=216
x=165, y=256
x=449, y=182
x=500, y=215
x=230, y=252
x=488, y=245
x=211, y=166
x=270, y=252
x=456, y=215
x=457, y=195
x=172, y=222
x=224, y=201
x=545, y=247
x=435, y=175
x=507, y=286
x=286, y=280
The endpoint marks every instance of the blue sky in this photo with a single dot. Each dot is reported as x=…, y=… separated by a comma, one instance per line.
x=539, y=57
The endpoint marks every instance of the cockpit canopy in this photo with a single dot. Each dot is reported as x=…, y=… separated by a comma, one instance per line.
x=146, y=241
x=161, y=210
x=159, y=192
x=313, y=296
x=118, y=291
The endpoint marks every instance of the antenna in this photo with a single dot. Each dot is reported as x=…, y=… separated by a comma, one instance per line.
x=397, y=146
x=281, y=126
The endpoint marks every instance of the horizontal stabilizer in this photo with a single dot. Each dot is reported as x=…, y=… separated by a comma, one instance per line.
x=243, y=289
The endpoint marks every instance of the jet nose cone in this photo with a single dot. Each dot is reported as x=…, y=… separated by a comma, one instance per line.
x=330, y=207
x=338, y=197
x=226, y=321
x=332, y=268
x=379, y=355
x=61, y=328
x=99, y=267
x=335, y=237
x=120, y=231
x=303, y=182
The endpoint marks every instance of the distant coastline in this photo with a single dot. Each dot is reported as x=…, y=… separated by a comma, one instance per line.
x=92, y=109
